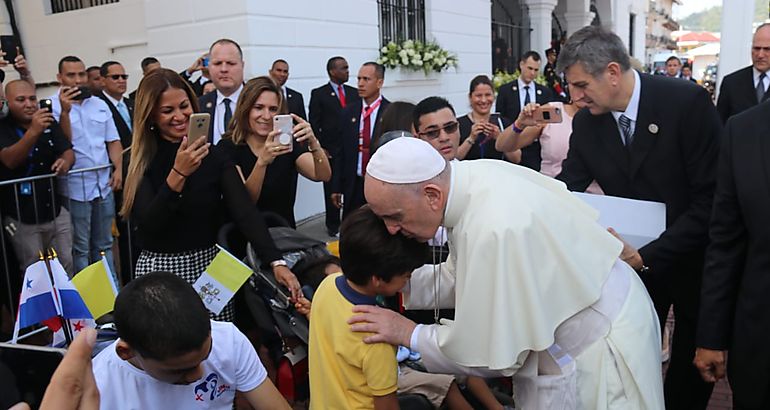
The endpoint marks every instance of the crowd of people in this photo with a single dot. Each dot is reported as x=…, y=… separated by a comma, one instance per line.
x=539, y=290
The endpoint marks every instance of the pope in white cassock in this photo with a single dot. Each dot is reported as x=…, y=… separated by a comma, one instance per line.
x=538, y=290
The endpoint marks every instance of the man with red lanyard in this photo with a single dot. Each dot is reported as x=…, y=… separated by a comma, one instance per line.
x=358, y=123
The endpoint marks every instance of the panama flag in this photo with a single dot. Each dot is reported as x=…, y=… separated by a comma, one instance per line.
x=36, y=303
x=71, y=304
x=221, y=279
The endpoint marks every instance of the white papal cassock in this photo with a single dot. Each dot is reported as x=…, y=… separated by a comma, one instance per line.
x=535, y=283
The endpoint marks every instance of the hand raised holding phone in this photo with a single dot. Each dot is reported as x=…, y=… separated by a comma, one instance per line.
x=536, y=114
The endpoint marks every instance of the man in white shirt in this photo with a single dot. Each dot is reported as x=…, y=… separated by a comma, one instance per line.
x=171, y=355
x=226, y=71
x=88, y=123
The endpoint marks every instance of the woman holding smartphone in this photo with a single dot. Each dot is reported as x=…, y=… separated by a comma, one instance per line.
x=554, y=137
x=176, y=192
x=268, y=168
x=480, y=128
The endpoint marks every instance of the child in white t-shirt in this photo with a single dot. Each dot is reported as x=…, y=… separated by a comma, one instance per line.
x=170, y=355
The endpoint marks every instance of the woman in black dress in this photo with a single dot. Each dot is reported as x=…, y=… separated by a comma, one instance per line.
x=480, y=128
x=178, y=194
x=269, y=169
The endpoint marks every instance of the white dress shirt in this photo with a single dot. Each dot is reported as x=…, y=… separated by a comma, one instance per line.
x=219, y=112
x=632, y=109
x=523, y=92
x=92, y=129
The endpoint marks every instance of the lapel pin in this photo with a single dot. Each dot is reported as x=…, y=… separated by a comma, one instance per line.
x=334, y=95
x=288, y=96
x=539, y=92
x=353, y=119
x=653, y=128
x=208, y=105
x=515, y=88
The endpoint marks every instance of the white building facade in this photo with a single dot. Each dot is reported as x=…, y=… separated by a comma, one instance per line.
x=306, y=33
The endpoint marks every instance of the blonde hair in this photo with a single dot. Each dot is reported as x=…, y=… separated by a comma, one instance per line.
x=145, y=136
x=239, y=128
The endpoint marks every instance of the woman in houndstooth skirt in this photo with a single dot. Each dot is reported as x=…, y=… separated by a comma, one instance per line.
x=179, y=192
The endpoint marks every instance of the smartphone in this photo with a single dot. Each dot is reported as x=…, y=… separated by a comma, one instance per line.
x=205, y=62
x=284, y=124
x=46, y=104
x=85, y=92
x=199, y=127
x=31, y=367
x=8, y=44
x=548, y=114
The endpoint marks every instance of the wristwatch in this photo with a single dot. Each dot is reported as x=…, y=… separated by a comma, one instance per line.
x=278, y=262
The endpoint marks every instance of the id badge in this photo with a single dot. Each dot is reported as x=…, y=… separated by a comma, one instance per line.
x=25, y=188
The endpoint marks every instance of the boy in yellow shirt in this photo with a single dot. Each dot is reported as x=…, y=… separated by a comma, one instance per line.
x=346, y=373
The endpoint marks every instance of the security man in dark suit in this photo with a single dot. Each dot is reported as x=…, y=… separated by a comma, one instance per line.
x=735, y=308
x=326, y=104
x=226, y=70
x=747, y=87
x=516, y=94
x=115, y=79
x=358, y=122
x=635, y=147
x=295, y=104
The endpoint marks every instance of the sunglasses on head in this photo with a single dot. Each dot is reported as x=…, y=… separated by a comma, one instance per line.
x=115, y=77
x=433, y=134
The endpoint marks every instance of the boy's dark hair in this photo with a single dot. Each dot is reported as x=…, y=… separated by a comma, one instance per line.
x=312, y=271
x=427, y=106
x=367, y=249
x=672, y=58
x=161, y=316
x=147, y=61
x=92, y=68
x=68, y=59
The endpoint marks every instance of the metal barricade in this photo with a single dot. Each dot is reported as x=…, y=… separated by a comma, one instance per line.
x=60, y=197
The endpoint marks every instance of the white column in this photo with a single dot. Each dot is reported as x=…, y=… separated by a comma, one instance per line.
x=577, y=15
x=540, y=21
x=735, y=43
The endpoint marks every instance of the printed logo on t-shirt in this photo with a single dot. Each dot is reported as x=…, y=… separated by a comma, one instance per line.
x=210, y=387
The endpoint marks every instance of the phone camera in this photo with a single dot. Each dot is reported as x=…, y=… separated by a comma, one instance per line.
x=546, y=115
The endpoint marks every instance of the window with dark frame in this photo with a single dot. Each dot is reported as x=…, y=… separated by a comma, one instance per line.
x=61, y=6
x=401, y=20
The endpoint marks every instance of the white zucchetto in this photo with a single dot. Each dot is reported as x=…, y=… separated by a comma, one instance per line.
x=405, y=161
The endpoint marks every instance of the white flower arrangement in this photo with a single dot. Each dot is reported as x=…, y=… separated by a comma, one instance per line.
x=416, y=55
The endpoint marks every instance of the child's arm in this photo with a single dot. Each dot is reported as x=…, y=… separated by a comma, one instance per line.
x=386, y=402
x=303, y=306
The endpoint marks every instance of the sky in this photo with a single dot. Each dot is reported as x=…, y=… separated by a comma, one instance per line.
x=693, y=6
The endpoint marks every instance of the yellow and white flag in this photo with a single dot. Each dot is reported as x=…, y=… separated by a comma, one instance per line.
x=221, y=279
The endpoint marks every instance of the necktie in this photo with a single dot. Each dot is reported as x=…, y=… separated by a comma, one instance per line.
x=365, y=139
x=228, y=112
x=625, y=127
x=761, y=88
x=123, y=111
x=526, y=97
x=341, y=94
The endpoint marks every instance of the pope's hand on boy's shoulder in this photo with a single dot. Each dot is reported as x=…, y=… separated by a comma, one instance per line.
x=388, y=326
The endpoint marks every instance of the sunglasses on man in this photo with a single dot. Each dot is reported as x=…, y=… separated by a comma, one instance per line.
x=116, y=77
x=448, y=128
